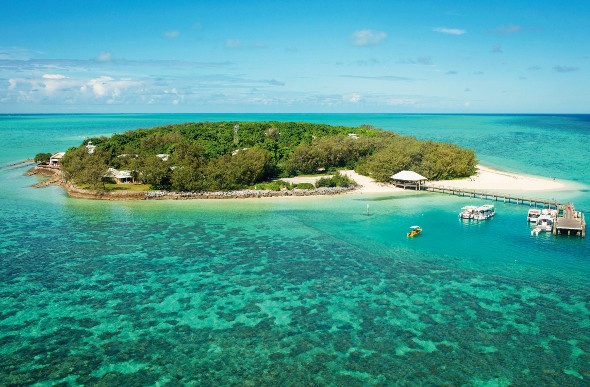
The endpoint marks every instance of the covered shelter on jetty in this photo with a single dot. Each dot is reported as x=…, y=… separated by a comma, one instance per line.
x=408, y=179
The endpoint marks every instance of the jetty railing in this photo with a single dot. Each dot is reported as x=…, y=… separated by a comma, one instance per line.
x=491, y=195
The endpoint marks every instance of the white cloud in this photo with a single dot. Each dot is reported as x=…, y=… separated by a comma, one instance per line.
x=54, y=76
x=54, y=82
x=367, y=37
x=354, y=98
x=233, y=43
x=97, y=85
x=171, y=34
x=108, y=87
x=450, y=31
x=104, y=56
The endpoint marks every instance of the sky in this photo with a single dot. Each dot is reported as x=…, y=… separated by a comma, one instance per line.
x=242, y=56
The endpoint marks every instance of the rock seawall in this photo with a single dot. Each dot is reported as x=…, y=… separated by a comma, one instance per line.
x=244, y=194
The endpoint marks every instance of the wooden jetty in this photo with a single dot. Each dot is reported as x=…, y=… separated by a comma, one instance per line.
x=506, y=198
x=568, y=222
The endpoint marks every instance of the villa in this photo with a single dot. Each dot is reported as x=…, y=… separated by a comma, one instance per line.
x=119, y=177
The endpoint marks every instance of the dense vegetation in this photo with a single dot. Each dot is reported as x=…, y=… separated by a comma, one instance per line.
x=42, y=157
x=213, y=156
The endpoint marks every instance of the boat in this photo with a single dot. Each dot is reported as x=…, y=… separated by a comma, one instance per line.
x=467, y=212
x=549, y=211
x=414, y=230
x=484, y=212
x=544, y=223
x=533, y=215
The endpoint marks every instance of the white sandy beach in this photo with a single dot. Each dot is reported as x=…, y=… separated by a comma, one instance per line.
x=486, y=179
x=492, y=179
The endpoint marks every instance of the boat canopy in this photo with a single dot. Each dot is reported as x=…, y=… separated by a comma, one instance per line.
x=414, y=227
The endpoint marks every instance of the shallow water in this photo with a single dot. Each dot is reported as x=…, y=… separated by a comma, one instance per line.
x=288, y=291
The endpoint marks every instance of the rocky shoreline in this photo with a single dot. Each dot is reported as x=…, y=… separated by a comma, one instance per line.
x=56, y=178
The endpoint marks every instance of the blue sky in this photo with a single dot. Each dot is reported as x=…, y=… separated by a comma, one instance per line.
x=295, y=56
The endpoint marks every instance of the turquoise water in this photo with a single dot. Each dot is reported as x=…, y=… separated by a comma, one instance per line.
x=307, y=291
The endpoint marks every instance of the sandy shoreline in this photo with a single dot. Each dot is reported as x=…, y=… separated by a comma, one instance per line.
x=486, y=179
x=494, y=180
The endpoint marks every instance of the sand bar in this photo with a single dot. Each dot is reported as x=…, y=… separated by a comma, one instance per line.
x=486, y=179
x=489, y=179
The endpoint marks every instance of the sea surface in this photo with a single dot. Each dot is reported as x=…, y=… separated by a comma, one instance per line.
x=294, y=291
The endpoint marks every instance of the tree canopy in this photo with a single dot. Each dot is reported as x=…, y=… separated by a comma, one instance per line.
x=208, y=156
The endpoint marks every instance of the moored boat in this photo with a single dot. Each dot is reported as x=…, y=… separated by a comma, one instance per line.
x=484, y=212
x=550, y=212
x=533, y=215
x=467, y=212
x=544, y=224
x=414, y=230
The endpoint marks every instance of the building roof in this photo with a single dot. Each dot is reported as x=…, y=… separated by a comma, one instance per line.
x=408, y=176
x=112, y=172
x=58, y=155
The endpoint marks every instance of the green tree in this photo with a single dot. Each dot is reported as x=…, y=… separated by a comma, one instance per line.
x=250, y=166
x=42, y=157
x=336, y=180
x=305, y=159
x=188, y=161
x=154, y=171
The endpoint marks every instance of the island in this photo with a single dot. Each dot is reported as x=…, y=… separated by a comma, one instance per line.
x=244, y=159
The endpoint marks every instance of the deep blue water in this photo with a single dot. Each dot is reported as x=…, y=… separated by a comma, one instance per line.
x=307, y=291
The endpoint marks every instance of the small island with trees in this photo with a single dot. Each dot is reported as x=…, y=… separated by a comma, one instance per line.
x=208, y=157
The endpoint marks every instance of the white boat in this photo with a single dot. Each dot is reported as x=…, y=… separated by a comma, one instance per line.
x=550, y=212
x=467, y=212
x=533, y=215
x=484, y=212
x=544, y=224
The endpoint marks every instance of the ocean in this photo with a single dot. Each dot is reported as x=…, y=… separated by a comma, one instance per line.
x=294, y=291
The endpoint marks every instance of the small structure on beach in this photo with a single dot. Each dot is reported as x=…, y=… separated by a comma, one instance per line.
x=409, y=179
x=55, y=159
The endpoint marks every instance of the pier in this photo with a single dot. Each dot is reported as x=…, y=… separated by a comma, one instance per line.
x=568, y=222
x=506, y=198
